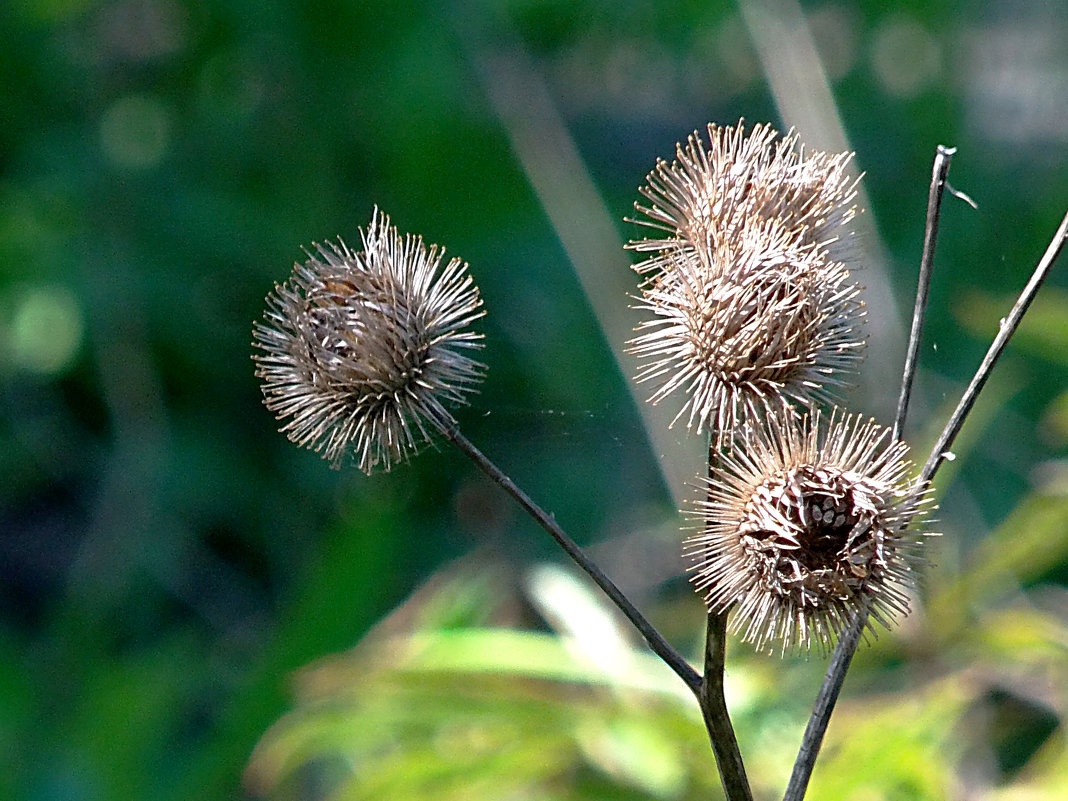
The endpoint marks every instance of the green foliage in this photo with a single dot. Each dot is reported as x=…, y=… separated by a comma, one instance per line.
x=455, y=711
x=435, y=702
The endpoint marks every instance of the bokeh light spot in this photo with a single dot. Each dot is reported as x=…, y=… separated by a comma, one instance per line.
x=46, y=330
x=135, y=131
x=905, y=56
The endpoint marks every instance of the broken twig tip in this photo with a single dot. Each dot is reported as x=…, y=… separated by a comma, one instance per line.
x=961, y=196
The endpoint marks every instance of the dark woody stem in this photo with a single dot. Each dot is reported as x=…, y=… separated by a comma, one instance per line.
x=943, y=156
x=850, y=637
x=824, y=706
x=708, y=689
x=1008, y=327
x=654, y=638
x=717, y=719
x=713, y=701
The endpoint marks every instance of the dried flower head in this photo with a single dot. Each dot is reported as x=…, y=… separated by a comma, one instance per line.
x=753, y=308
x=806, y=523
x=359, y=351
x=711, y=194
x=762, y=324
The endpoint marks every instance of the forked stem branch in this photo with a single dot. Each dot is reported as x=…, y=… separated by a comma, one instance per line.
x=850, y=637
x=851, y=634
x=661, y=647
x=708, y=689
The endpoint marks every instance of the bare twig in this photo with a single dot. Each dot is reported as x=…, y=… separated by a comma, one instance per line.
x=850, y=636
x=826, y=698
x=656, y=641
x=1008, y=327
x=717, y=719
x=943, y=156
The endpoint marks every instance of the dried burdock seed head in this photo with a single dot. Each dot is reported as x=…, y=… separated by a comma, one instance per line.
x=360, y=351
x=764, y=325
x=804, y=523
x=754, y=309
x=711, y=193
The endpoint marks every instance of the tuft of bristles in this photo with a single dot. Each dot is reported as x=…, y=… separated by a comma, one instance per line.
x=805, y=522
x=754, y=311
x=360, y=351
x=739, y=181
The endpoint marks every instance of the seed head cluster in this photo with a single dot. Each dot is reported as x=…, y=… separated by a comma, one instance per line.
x=804, y=523
x=753, y=319
x=753, y=310
x=740, y=180
x=359, y=351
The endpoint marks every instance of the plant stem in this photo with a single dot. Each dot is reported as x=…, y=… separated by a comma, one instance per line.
x=656, y=641
x=849, y=639
x=712, y=699
x=824, y=706
x=1008, y=327
x=847, y=643
x=717, y=719
x=943, y=156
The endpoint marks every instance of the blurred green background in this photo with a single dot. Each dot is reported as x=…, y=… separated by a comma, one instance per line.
x=169, y=564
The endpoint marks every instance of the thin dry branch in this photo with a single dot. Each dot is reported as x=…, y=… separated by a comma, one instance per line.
x=850, y=638
x=654, y=638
